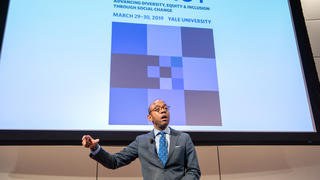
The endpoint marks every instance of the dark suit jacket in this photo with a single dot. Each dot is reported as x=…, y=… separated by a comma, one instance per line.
x=182, y=160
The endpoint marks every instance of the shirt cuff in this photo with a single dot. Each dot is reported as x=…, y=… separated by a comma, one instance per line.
x=96, y=151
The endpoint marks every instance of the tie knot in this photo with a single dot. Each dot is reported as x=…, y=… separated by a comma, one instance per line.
x=161, y=133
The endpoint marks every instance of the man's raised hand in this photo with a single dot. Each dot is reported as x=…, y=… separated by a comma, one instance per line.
x=89, y=142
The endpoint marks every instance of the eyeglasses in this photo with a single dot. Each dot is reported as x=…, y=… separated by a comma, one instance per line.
x=159, y=108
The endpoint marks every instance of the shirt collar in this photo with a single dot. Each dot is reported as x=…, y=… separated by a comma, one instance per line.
x=156, y=131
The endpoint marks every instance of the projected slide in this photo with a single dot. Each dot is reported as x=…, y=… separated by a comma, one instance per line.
x=230, y=66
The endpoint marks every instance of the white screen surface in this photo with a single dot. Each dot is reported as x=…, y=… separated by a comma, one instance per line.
x=56, y=65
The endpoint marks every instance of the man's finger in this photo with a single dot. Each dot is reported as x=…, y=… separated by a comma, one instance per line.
x=95, y=141
x=84, y=143
x=84, y=137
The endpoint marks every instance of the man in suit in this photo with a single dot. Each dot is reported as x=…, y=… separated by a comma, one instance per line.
x=164, y=153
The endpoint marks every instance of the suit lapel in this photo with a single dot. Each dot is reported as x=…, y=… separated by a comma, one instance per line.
x=173, y=142
x=152, y=148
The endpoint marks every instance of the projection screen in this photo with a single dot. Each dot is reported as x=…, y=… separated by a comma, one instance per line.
x=226, y=68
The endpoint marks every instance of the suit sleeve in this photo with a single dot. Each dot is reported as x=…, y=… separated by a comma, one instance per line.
x=191, y=162
x=122, y=158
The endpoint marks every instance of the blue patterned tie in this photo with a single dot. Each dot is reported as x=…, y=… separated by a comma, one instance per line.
x=163, y=150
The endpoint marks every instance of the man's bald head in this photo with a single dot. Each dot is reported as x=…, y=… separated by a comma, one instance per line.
x=159, y=114
x=155, y=103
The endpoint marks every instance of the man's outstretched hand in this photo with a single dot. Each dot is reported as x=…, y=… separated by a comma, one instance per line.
x=89, y=142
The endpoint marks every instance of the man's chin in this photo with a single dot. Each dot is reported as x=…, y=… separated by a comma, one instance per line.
x=164, y=126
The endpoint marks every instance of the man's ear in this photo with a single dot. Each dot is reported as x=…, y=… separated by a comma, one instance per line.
x=150, y=118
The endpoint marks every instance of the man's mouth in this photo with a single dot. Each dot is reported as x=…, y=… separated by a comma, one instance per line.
x=164, y=117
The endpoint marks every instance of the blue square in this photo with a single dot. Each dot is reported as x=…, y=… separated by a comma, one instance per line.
x=128, y=38
x=164, y=40
x=197, y=42
x=165, y=83
x=153, y=72
x=124, y=101
x=164, y=61
x=200, y=74
x=176, y=61
x=165, y=72
x=177, y=83
x=177, y=72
